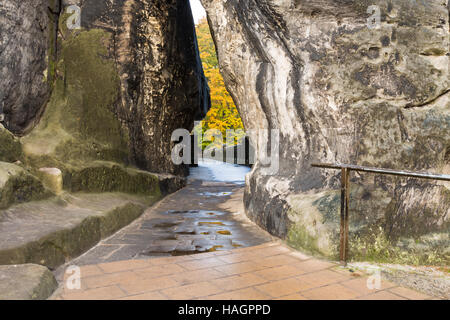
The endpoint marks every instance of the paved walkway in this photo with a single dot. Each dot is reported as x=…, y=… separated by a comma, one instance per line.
x=157, y=257
x=204, y=216
x=268, y=271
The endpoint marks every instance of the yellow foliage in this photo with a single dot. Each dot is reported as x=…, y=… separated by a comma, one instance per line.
x=223, y=115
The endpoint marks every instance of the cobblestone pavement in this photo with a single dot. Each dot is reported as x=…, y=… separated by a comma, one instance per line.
x=267, y=271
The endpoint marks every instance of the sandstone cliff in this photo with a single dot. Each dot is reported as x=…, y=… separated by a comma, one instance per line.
x=342, y=87
x=116, y=87
x=25, y=31
x=362, y=82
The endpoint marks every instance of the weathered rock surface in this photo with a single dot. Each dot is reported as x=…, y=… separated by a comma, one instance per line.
x=52, y=179
x=25, y=33
x=54, y=231
x=95, y=103
x=10, y=147
x=19, y=186
x=339, y=90
x=101, y=176
x=118, y=86
x=26, y=282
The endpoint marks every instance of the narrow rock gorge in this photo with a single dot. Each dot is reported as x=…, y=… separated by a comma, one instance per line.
x=357, y=82
x=93, y=107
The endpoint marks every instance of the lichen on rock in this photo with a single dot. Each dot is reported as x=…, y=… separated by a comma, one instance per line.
x=19, y=186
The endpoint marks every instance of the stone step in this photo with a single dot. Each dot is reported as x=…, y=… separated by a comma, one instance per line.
x=26, y=282
x=53, y=231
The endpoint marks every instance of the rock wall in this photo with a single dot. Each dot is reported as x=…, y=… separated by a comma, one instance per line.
x=341, y=88
x=162, y=83
x=116, y=87
x=25, y=32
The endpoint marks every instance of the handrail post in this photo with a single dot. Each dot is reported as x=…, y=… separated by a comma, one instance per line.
x=345, y=197
x=345, y=194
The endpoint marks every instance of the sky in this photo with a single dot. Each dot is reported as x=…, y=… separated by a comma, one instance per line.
x=197, y=10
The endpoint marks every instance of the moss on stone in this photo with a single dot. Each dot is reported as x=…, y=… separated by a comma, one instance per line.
x=79, y=222
x=314, y=226
x=103, y=176
x=10, y=147
x=114, y=220
x=374, y=246
x=299, y=238
x=79, y=124
x=52, y=179
x=329, y=205
x=18, y=186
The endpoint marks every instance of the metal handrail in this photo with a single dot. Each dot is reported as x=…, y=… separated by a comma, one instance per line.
x=345, y=193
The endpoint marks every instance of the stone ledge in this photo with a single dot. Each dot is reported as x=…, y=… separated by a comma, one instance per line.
x=54, y=231
x=26, y=282
x=104, y=176
x=17, y=185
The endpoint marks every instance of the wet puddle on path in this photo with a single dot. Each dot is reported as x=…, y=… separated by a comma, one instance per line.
x=191, y=232
x=202, y=217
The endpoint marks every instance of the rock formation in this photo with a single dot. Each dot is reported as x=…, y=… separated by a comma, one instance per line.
x=26, y=282
x=83, y=107
x=117, y=87
x=360, y=82
x=25, y=29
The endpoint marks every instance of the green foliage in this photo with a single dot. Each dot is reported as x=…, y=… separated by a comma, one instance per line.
x=223, y=115
x=377, y=248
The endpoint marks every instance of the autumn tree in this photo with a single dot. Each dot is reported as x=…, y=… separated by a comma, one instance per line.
x=223, y=115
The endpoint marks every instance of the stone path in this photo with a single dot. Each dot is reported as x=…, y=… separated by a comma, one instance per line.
x=268, y=271
x=203, y=217
x=160, y=257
